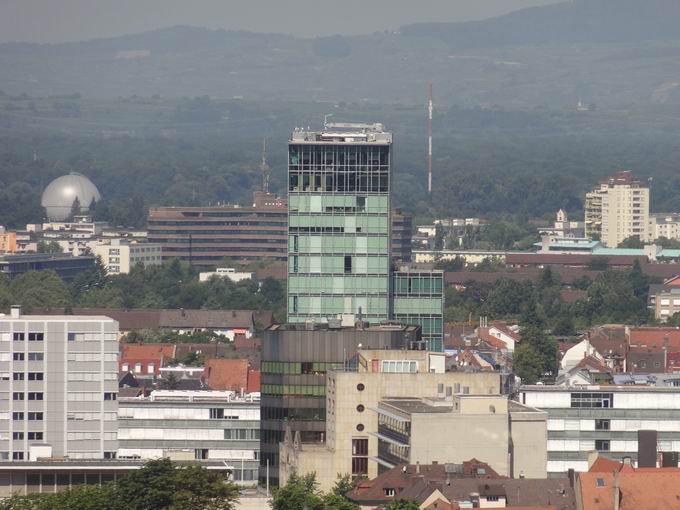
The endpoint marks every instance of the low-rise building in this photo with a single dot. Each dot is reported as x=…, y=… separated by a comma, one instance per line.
x=605, y=418
x=667, y=303
x=66, y=266
x=225, y=272
x=664, y=225
x=509, y=436
x=193, y=425
x=119, y=256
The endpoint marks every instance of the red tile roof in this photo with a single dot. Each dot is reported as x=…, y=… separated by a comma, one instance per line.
x=226, y=374
x=655, y=338
x=132, y=352
x=605, y=465
x=253, y=381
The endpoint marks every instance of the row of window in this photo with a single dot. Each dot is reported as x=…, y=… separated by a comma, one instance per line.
x=17, y=416
x=32, y=436
x=309, y=390
x=242, y=434
x=297, y=368
x=32, y=395
x=20, y=356
x=587, y=400
x=20, y=376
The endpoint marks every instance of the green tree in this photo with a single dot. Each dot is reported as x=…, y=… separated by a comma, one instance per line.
x=169, y=381
x=48, y=247
x=631, y=242
x=402, y=504
x=75, y=209
x=40, y=289
x=455, y=264
x=544, y=346
x=299, y=493
x=438, y=237
x=527, y=363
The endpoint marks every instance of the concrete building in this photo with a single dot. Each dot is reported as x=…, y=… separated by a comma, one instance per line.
x=66, y=266
x=564, y=227
x=618, y=208
x=204, y=236
x=667, y=304
x=402, y=236
x=603, y=418
x=59, y=384
x=352, y=397
x=295, y=360
x=119, y=256
x=508, y=436
x=339, y=222
x=193, y=425
x=664, y=225
x=418, y=298
x=225, y=272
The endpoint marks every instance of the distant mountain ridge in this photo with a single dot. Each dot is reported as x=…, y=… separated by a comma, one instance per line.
x=576, y=21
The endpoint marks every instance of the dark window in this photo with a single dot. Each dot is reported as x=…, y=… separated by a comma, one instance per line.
x=17, y=416
x=17, y=395
x=602, y=445
x=110, y=396
x=348, y=264
x=35, y=436
x=492, y=498
x=18, y=356
x=35, y=416
x=216, y=413
x=585, y=400
x=361, y=387
x=18, y=435
x=36, y=337
x=35, y=376
x=18, y=456
x=18, y=376
x=32, y=395
x=35, y=356
x=359, y=465
x=360, y=408
x=18, y=336
x=109, y=455
x=360, y=427
x=360, y=447
x=602, y=424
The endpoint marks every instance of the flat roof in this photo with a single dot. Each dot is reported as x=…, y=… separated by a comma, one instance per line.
x=56, y=318
x=613, y=388
x=415, y=406
x=323, y=326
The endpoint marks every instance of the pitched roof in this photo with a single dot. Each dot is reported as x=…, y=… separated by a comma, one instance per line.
x=129, y=352
x=655, y=338
x=253, y=381
x=226, y=374
x=605, y=465
x=210, y=319
x=569, y=259
x=640, y=489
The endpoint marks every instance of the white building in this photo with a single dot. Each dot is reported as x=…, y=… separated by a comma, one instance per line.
x=193, y=425
x=120, y=256
x=617, y=209
x=58, y=386
x=603, y=418
x=563, y=227
x=225, y=272
x=664, y=225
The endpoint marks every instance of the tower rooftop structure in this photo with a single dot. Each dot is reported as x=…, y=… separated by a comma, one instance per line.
x=344, y=132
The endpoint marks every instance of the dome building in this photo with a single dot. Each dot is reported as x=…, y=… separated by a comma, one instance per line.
x=59, y=195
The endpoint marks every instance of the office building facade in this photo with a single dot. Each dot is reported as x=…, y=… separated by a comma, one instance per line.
x=418, y=298
x=295, y=360
x=205, y=236
x=339, y=222
x=66, y=266
x=603, y=418
x=193, y=425
x=120, y=256
x=59, y=385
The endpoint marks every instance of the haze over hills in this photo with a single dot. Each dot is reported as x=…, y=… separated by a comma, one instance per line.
x=609, y=52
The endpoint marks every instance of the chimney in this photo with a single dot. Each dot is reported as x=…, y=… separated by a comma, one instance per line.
x=15, y=312
x=417, y=467
x=572, y=477
x=647, y=448
x=617, y=492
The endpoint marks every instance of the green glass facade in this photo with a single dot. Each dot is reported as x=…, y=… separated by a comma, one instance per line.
x=418, y=298
x=339, y=225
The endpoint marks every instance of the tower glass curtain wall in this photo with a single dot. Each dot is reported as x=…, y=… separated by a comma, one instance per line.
x=339, y=225
x=418, y=298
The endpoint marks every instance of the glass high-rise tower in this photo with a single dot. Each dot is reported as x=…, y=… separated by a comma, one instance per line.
x=339, y=223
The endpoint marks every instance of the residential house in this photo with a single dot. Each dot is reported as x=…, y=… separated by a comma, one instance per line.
x=144, y=359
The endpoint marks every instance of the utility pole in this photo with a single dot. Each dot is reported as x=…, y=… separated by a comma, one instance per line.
x=429, y=140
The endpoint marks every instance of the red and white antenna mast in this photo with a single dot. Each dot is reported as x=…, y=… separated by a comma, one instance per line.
x=429, y=139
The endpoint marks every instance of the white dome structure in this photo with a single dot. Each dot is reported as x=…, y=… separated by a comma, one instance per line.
x=59, y=195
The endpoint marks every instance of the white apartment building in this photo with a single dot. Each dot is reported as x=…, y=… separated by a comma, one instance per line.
x=193, y=425
x=120, y=255
x=618, y=209
x=664, y=225
x=225, y=272
x=58, y=386
x=607, y=419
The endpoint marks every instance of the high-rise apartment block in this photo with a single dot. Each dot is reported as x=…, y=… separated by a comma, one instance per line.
x=339, y=222
x=59, y=386
x=617, y=209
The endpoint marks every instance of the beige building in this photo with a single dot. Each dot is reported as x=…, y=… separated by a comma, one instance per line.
x=352, y=399
x=664, y=225
x=119, y=256
x=618, y=209
x=667, y=304
x=508, y=436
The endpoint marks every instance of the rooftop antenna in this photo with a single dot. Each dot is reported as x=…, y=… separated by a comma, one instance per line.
x=264, y=167
x=429, y=139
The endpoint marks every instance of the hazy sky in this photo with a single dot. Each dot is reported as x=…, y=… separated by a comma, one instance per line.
x=68, y=20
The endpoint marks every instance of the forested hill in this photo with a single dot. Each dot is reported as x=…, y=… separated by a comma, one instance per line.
x=577, y=21
x=609, y=52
